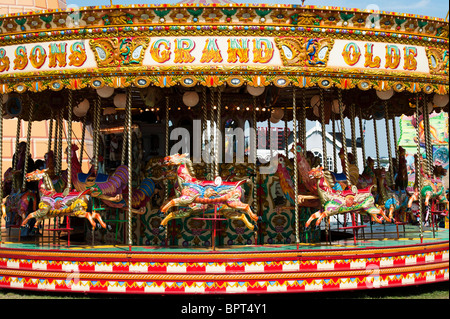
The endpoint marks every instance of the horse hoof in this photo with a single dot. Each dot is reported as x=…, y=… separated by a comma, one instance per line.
x=255, y=228
x=161, y=229
x=259, y=219
x=108, y=227
x=160, y=213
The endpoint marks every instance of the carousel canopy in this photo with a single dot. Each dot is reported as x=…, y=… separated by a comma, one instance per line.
x=237, y=47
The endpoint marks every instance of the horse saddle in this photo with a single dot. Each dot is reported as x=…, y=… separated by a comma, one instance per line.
x=213, y=183
x=352, y=192
x=101, y=178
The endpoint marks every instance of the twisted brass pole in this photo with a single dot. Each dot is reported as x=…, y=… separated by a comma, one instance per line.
x=333, y=121
x=375, y=133
x=60, y=137
x=217, y=138
x=344, y=138
x=83, y=137
x=130, y=167
x=205, y=124
x=50, y=132
x=388, y=138
x=324, y=139
x=352, y=127
x=303, y=120
x=361, y=134
x=97, y=132
x=69, y=141
x=296, y=211
x=1, y=160
x=18, y=129
x=27, y=152
x=417, y=169
x=166, y=153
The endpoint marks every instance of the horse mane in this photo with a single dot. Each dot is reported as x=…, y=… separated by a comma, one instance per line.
x=329, y=177
x=190, y=167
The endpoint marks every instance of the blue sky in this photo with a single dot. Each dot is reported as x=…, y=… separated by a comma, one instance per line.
x=434, y=8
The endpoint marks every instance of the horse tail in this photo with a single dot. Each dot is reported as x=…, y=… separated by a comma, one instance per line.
x=117, y=182
x=143, y=193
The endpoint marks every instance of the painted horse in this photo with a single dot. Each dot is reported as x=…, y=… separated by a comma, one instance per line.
x=53, y=204
x=336, y=202
x=432, y=188
x=307, y=195
x=112, y=188
x=18, y=204
x=393, y=201
x=195, y=196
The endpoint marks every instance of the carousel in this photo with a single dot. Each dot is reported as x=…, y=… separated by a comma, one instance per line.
x=202, y=177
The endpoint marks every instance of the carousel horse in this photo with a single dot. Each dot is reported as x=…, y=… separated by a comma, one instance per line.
x=367, y=177
x=19, y=203
x=111, y=188
x=432, y=188
x=53, y=204
x=401, y=180
x=195, y=196
x=393, y=201
x=59, y=181
x=352, y=168
x=307, y=197
x=336, y=202
x=16, y=175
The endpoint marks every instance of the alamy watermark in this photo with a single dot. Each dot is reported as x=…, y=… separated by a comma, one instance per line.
x=207, y=145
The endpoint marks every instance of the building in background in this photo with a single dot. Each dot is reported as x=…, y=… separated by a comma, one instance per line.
x=16, y=6
x=39, y=133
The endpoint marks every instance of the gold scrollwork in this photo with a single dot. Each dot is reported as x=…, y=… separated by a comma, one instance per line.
x=438, y=60
x=126, y=51
x=296, y=51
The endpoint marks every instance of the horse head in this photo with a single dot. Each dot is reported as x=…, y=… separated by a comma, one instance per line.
x=176, y=159
x=316, y=172
x=36, y=175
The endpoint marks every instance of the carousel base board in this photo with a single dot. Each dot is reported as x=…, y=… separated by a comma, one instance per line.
x=340, y=266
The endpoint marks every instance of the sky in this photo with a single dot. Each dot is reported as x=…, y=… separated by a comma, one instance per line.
x=434, y=8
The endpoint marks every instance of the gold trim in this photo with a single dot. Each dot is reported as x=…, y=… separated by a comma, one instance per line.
x=218, y=256
x=227, y=277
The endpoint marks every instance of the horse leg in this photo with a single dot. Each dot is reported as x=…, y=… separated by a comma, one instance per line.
x=88, y=216
x=324, y=214
x=98, y=217
x=412, y=199
x=174, y=215
x=391, y=212
x=312, y=217
x=240, y=216
x=373, y=211
x=39, y=215
x=168, y=218
x=244, y=207
x=427, y=198
x=180, y=201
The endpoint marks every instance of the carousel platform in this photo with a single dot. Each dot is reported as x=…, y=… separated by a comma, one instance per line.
x=383, y=258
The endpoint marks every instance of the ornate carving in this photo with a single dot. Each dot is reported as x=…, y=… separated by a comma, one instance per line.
x=119, y=51
x=438, y=60
x=296, y=51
